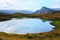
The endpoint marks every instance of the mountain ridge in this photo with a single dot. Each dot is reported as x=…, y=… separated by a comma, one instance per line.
x=15, y=11
x=43, y=10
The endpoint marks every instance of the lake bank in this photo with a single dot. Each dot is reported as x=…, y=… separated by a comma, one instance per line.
x=53, y=35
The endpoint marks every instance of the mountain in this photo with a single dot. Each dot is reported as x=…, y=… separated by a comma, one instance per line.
x=44, y=10
x=57, y=9
x=14, y=11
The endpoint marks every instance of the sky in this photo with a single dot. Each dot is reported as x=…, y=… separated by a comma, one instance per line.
x=31, y=5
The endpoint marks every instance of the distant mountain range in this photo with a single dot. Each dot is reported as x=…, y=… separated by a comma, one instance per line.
x=43, y=10
x=14, y=11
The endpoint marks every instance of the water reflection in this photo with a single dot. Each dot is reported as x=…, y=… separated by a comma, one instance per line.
x=25, y=25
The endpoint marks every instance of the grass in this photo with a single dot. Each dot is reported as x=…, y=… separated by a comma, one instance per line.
x=53, y=35
x=56, y=24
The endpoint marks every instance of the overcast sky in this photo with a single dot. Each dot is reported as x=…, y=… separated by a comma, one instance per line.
x=28, y=4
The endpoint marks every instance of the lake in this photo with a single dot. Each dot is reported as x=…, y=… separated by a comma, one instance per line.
x=25, y=25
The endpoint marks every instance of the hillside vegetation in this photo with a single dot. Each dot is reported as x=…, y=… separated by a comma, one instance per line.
x=51, y=17
x=53, y=35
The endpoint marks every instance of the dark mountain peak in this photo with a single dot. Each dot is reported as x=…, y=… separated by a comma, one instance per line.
x=44, y=7
x=44, y=10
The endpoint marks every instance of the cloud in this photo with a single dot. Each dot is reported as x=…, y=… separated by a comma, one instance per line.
x=55, y=1
x=56, y=6
x=32, y=5
x=16, y=4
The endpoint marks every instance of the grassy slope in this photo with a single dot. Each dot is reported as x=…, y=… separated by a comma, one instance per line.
x=53, y=35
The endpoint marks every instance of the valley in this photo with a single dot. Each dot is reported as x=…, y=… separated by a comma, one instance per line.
x=53, y=35
x=49, y=16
